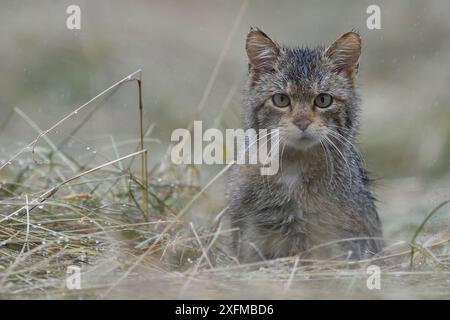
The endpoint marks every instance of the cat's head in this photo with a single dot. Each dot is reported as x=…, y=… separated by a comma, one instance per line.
x=308, y=93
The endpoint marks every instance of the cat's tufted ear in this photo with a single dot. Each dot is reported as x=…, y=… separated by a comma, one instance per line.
x=262, y=52
x=345, y=52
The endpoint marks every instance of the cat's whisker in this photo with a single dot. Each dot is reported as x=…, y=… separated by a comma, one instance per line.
x=331, y=162
x=341, y=155
x=346, y=141
x=339, y=136
x=277, y=143
x=328, y=162
x=281, y=156
x=346, y=130
x=326, y=157
x=256, y=141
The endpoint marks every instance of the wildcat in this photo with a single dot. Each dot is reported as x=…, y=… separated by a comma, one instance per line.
x=319, y=203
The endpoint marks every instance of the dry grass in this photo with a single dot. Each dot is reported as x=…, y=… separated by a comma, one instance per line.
x=131, y=239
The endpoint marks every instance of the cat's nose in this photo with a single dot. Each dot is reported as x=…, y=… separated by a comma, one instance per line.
x=302, y=123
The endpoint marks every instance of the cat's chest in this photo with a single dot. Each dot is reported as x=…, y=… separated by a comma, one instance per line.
x=290, y=196
x=292, y=190
x=301, y=186
x=303, y=199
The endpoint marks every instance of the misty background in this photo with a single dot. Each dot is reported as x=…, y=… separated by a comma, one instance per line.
x=46, y=71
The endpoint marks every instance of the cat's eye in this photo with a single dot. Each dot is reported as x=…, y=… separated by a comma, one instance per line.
x=323, y=100
x=281, y=100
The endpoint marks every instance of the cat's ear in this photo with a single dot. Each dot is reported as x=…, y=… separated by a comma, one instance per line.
x=262, y=52
x=345, y=52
